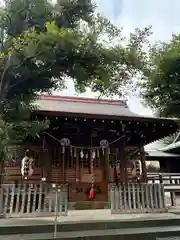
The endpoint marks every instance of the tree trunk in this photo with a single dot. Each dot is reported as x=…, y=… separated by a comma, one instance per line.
x=1, y=188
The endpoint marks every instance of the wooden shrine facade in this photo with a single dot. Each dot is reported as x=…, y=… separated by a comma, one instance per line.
x=88, y=142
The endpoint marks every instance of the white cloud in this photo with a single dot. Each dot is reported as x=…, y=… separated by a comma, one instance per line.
x=163, y=15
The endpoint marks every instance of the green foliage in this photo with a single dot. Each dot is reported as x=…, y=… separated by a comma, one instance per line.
x=77, y=43
x=151, y=168
x=43, y=44
x=161, y=87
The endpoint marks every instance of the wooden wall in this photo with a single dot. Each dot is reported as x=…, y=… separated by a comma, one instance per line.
x=73, y=170
x=13, y=174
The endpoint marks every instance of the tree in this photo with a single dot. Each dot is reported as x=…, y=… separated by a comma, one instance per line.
x=43, y=44
x=161, y=85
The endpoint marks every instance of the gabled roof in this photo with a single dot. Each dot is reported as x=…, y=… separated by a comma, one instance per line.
x=91, y=107
x=84, y=106
x=104, y=109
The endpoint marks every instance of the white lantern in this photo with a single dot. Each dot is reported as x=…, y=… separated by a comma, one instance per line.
x=27, y=167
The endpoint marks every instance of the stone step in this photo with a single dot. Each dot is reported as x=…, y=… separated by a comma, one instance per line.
x=119, y=234
x=37, y=227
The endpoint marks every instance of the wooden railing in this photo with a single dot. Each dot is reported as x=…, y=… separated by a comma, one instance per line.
x=134, y=197
x=170, y=181
x=13, y=174
x=165, y=178
x=24, y=200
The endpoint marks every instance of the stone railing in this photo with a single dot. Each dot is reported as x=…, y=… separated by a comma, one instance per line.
x=129, y=198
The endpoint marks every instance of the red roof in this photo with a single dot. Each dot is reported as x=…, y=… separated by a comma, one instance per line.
x=82, y=100
x=102, y=109
x=91, y=107
x=88, y=106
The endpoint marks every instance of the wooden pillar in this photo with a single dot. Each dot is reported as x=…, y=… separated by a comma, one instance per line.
x=106, y=169
x=143, y=164
x=63, y=165
x=126, y=170
x=172, y=194
x=123, y=164
x=46, y=165
x=78, y=176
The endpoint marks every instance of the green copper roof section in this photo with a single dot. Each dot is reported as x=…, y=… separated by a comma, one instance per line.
x=174, y=146
x=160, y=154
x=171, y=147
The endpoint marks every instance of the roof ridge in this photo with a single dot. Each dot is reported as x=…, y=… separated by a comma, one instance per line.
x=83, y=100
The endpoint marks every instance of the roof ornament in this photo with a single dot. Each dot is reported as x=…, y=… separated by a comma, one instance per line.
x=104, y=144
x=65, y=142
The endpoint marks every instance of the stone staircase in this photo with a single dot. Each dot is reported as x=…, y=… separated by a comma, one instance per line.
x=121, y=229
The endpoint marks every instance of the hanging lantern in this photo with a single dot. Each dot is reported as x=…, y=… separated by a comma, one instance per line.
x=27, y=165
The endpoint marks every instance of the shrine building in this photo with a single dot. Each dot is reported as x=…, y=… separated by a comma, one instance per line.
x=89, y=143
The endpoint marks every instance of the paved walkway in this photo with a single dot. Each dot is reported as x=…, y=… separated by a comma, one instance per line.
x=85, y=216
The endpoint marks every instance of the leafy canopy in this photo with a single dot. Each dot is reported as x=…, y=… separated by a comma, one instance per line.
x=43, y=44
x=161, y=87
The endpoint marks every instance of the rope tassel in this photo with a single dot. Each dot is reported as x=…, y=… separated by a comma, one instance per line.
x=91, y=193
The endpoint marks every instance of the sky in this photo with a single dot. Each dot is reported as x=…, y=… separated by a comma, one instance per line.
x=164, y=17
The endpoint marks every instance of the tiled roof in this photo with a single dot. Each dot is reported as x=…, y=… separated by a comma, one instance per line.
x=102, y=109
x=84, y=106
x=91, y=107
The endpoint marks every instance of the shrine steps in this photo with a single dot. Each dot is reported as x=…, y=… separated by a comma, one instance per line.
x=87, y=205
x=122, y=228
x=155, y=233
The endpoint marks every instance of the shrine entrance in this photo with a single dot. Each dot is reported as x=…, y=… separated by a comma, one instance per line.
x=82, y=169
x=88, y=171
